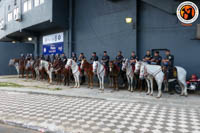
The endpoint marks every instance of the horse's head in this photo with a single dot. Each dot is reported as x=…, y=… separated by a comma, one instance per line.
x=142, y=71
x=11, y=62
x=137, y=67
x=111, y=66
x=83, y=63
x=95, y=66
x=124, y=64
x=69, y=63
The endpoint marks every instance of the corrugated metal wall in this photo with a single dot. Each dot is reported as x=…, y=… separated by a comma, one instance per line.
x=100, y=25
x=10, y=50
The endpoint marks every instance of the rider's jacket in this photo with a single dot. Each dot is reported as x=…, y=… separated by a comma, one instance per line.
x=105, y=60
x=171, y=60
x=157, y=59
x=149, y=57
x=133, y=58
x=94, y=58
x=74, y=58
x=119, y=60
x=64, y=59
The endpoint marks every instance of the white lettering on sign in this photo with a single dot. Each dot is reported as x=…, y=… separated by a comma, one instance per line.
x=53, y=38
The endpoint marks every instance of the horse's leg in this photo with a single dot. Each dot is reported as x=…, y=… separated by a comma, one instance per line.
x=116, y=83
x=159, y=83
x=148, y=86
x=99, y=81
x=166, y=86
x=74, y=81
x=88, y=75
x=78, y=81
x=102, y=82
x=151, y=82
x=131, y=83
x=129, y=88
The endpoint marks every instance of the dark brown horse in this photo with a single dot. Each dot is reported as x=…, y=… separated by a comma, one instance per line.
x=87, y=67
x=61, y=72
x=22, y=67
x=114, y=71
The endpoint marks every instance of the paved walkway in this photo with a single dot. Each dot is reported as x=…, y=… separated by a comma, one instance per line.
x=85, y=115
x=42, y=87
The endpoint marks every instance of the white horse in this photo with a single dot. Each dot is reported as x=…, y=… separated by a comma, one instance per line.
x=14, y=63
x=99, y=69
x=155, y=71
x=129, y=73
x=75, y=70
x=48, y=68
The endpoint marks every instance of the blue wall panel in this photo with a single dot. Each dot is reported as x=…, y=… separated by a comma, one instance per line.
x=8, y=51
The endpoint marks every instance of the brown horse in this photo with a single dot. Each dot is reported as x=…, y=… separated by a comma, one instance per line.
x=61, y=72
x=22, y=67
x=114, y=71
x=87, y=67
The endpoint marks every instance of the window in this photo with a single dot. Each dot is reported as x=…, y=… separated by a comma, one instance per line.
x=10, y=16
x=27, y=5
x=38, y=2
x=15, y=2
x=16, y=12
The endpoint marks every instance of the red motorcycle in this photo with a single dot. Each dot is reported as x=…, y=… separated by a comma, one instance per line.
x=194, y=83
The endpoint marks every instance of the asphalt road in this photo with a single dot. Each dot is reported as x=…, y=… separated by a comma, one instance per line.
x=11, y=129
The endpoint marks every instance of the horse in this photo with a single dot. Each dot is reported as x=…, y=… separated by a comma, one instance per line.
x=114, y=71
x=29, y=68
x=37, y=70
x=75, y=71
x=148, y=78
x=15, y=63
x=22, y=66
x=129, y=74
x=99, y=69
x=87, y=67
x=156, y=72
x=58, y=67
x=48, y=68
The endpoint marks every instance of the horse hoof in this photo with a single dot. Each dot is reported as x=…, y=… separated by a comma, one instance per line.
x=151, y=94
x=186, y=95
x=147, y=94
x=158, y=97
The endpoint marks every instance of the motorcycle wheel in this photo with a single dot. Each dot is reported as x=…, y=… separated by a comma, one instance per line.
x=178, y=89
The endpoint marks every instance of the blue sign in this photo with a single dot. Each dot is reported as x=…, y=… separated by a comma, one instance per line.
x=53, y=44
x=56, y=48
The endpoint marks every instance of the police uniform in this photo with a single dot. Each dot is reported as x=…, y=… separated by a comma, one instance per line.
x=119, y=60
x=149, y=58
x=171, y=60
x=157, y=59
x=74, y=58
x=133, y=58
x=105, y=60
x=94, y=58
x=64, y=59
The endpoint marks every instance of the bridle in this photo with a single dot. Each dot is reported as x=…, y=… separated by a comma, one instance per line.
x=146, y=74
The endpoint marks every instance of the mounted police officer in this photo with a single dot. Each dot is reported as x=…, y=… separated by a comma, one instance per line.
x=133, y=60
x=80, y=58
x=63, y=58
x=168, y=63
x=119, y=59
x=74, y=57
x=105, y=60
x=94, y=57
x=157, y=59
x=147, y=58
x=168, y=67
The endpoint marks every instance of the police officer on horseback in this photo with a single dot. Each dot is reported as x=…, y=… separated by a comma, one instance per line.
x=74, y=57
x=133, y=59
x=94, y=57
x=80, y=58
x=105, y=60
x=168, y=63
x=157, y=59
x=147, y=58
x=119, y=59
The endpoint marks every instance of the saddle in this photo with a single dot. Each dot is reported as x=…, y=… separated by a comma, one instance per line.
x=133, y=68
x=170, y=73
